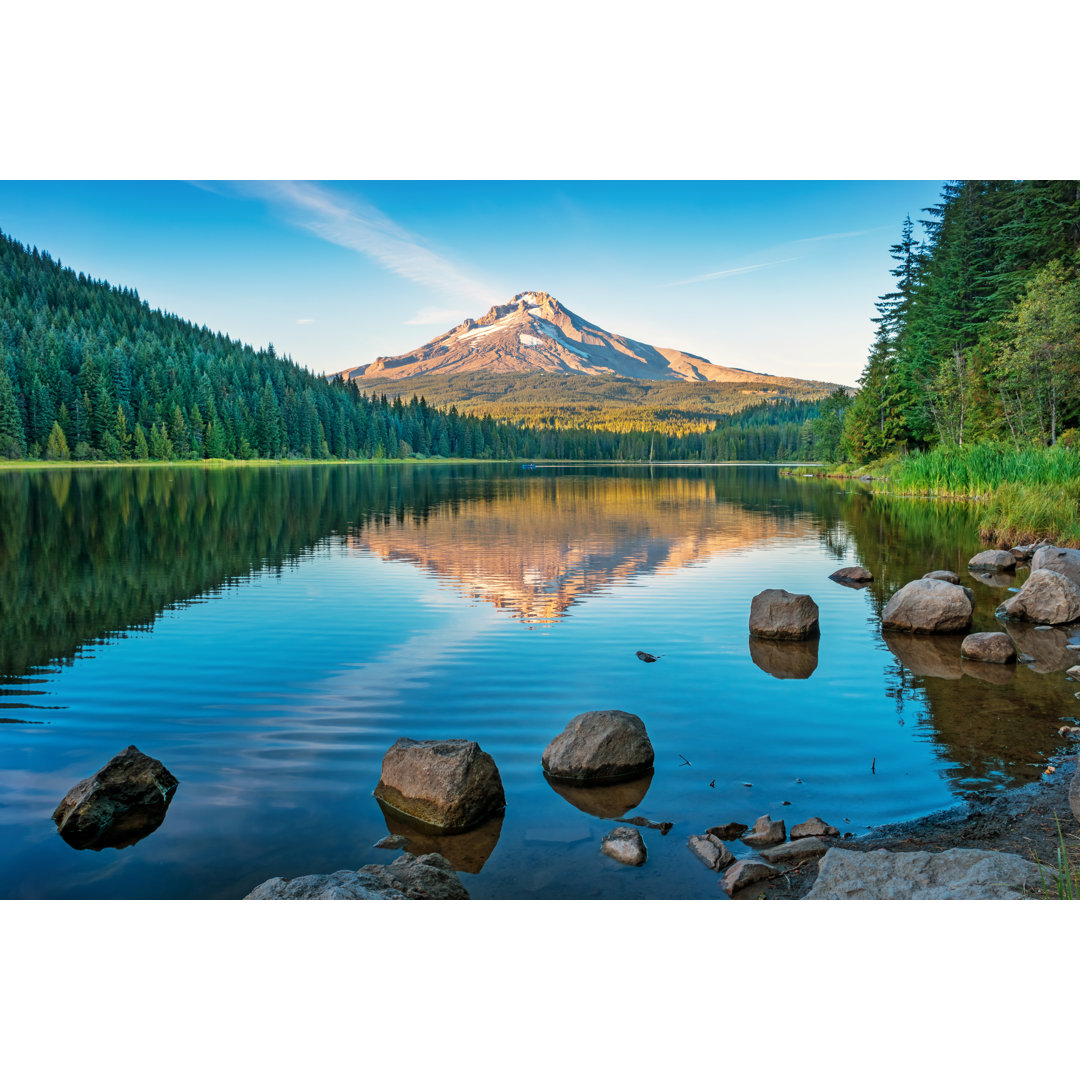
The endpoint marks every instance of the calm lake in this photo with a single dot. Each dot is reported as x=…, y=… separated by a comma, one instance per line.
x=269, y=632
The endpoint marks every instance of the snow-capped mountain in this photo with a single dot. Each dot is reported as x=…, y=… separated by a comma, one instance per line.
x=535, y=333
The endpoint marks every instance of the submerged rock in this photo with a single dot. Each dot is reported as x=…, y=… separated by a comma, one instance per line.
x=785, y=659
x=784, y=616
x=1047, y=597
x=765, y=833
x=992, y=648
x=813, y=827
x=928, y=606
x=125, y=800
x=603, y=746
x=992, y=561
x=625, y=845
x=746, y=872
x=856, y=574
x=1062, y=560
x=408, y=877
x=956, y=874
x=731, y=831
x=711, y=850
x=446, y=783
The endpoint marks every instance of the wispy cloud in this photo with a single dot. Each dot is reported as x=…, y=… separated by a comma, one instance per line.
x=838, y=235
x=304, y=322
x=352, y=222
x=734, y=271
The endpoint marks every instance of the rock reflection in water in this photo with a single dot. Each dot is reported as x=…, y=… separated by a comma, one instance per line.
x=1047, y=648
x=464, y=851
x=125, y=831
x=998, y=674
x=996, y=580
x=785, y=659
x=603, y=800
x=937, y=656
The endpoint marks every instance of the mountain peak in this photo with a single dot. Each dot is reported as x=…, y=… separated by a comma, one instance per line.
x=533, y=332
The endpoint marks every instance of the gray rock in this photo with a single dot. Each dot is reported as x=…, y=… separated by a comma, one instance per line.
x=992, y=561
x=942, y=575
x=1062, y=560
x=1073, y=672
x=928, y=606
x=746, y=872
x=625, y=845
x=600, y=747
x=122, y=802
x=851, y=573
x=957, y=874
x=784, y=616
x=711, y=850
x=392, y=842
x=992, y=648
x=813, y=827
x=731, y=831
x=765, y=833
x=447, y=783
x=806, y=848
x=1022, y=552
x=428, y=877
x=1047, y=597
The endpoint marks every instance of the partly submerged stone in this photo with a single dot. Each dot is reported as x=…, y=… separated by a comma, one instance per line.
x=603, y=746
x=784, y=616
x=408, y=877
x=813, y=827
x=625, y=845
x=125, y=800
x=445, y=783
x=1047, y=597
x=928, y=606
x=731, y=831
x=711, y=850
x=806, y=848
x=746, y=872
x=855, y=574
x=942, y=575
x=992, y=560
x=765, y=833
x=990, y=648
x=956, y=874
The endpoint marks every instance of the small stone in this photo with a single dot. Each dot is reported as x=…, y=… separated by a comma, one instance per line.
x=813, y=827
x=746, y=872
x=942, y=575
x=731, y=831
x=765, y=833
x=852, y=573
x=711, y=850
x=783, y=616
x=625, y=845
x=992, y=560
x=992, y=648
x=392, y=842
x=807, y=847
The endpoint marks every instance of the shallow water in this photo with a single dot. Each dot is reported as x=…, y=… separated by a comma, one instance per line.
x=268, y=633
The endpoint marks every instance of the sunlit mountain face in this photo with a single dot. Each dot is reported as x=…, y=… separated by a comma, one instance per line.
x=534, y=553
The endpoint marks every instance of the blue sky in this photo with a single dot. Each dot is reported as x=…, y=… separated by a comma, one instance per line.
x=776, y=276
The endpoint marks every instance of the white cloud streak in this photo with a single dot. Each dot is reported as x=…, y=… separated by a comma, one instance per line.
x=304, y=322
x=353, y=223
x=735, y=271
x=838, y=235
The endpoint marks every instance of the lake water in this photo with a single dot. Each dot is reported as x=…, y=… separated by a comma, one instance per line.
x=268, y=633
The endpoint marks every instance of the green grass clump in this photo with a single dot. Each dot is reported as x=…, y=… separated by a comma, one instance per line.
x=982, y=468
x=1066, y=886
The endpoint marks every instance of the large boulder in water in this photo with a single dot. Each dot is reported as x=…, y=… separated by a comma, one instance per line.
x=445, y=783
x=928, y=606
x=783, y=616
x=956, y=874
x=991, y=648
x=1047, y=597
x=603, y=746
x=1062, y=560
x=428, y=877
x=122, y=802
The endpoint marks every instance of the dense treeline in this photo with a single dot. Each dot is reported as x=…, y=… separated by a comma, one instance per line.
x=980, y=338
x=89, y=372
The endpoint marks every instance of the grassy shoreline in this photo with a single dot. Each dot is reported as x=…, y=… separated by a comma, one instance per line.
x=1024, y=495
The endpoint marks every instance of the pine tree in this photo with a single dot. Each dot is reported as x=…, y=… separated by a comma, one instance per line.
x=57, y=448
x=12, y=436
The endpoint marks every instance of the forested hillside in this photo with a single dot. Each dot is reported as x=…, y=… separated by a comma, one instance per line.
x=980, y=338
x=89, y=372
